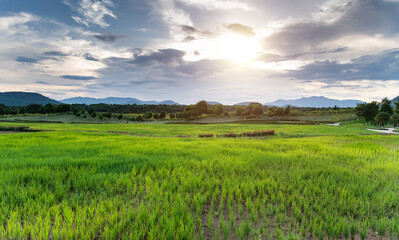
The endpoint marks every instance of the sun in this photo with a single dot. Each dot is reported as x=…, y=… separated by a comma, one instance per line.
x=228, y=46
x=237, y=48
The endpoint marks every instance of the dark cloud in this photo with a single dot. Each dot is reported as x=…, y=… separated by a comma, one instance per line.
x=56, y=54
x=108, y=38
x=361, y=17
x=241, y=29
x=189, y=39
x=383, y=66
x=193, y=33
x=27, y=60
x=189, y=29
x=41, y=82
x=280, y=58
x=77, y=77
x=163, y=56
x=90, y=57
x=203, y=67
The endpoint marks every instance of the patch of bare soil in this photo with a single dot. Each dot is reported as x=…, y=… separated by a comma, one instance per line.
x=7, y=132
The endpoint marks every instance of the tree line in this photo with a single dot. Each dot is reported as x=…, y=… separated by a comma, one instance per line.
x=380, y=113
x=149, y=112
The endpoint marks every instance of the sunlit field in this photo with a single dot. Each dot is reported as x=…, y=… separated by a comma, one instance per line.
x=75, y=184
x=193, y=130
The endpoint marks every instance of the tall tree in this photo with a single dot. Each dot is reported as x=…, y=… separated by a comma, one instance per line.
x=386, y=106
x=395, y=119
x=239, y=110
x=382, y=118
x=202, y=106
x=257, y=110
x=370, y=111
x=219, y=110
x=287, y=110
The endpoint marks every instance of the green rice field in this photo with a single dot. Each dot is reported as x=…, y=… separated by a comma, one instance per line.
x=140, y=181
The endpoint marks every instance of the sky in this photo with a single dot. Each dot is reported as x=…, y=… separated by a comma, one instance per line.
x=187, y=50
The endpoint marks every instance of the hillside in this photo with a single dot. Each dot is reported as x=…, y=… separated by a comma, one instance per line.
x=318, y=102
x=114, y=100
x=24, y=98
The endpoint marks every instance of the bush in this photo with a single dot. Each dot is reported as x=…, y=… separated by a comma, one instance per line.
x=209, y=135
x=258, y=133
x=120, y=116
x=248, y=134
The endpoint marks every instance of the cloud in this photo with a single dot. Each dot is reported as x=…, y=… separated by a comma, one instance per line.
x=17, y=23
x=27, y=60
x=56, y=53
x=218, y=4
x=90, y=57
x=163, y=56
x=92, y=12
x=190, y=30
x=383, y=66
x=279, y=58
x=76, y=77
x=241, y=29
x=108, y=38
x=204, y=67
x=344, y=18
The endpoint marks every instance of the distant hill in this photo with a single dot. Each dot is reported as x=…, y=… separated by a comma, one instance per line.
x=394, y=101
x=214, y=103
x=114, y=100
x=318, y=102
x=243, y=104
x=24, y=98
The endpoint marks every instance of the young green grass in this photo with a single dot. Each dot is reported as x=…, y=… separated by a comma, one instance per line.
x=82, y=185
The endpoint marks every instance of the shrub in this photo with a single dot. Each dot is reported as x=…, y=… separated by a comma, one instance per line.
x=209, y=135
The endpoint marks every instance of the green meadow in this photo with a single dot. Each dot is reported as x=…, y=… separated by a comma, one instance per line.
x=140, y=181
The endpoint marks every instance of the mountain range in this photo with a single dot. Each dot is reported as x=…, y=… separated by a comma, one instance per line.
x=24, y=99
x=114, y=100
x=314, y=101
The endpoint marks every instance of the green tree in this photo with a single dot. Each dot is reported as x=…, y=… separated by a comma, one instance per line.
x=279, y=112
x=148, y=115
x=91, y=111
x=120, y=116
x=33, y=108
x=202, y=106
x=162, y=115
x=397, y=106
x=21, y=110
x=94, y=115
x=382, y=118
x=395, y=119
x=50, y=108
x=63, y=108
x=386, y=106
x=239, y=110
x=287, y=110
x=369, y=111
x=257, y=110
x=2, y=109
x=172, y=115
x=219, y=110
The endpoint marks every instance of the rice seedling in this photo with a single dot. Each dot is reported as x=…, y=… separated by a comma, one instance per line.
x=97, y=185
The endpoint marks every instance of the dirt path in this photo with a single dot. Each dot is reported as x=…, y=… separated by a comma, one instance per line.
x=334, y=124
x=388, y=131
x=4, y=132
